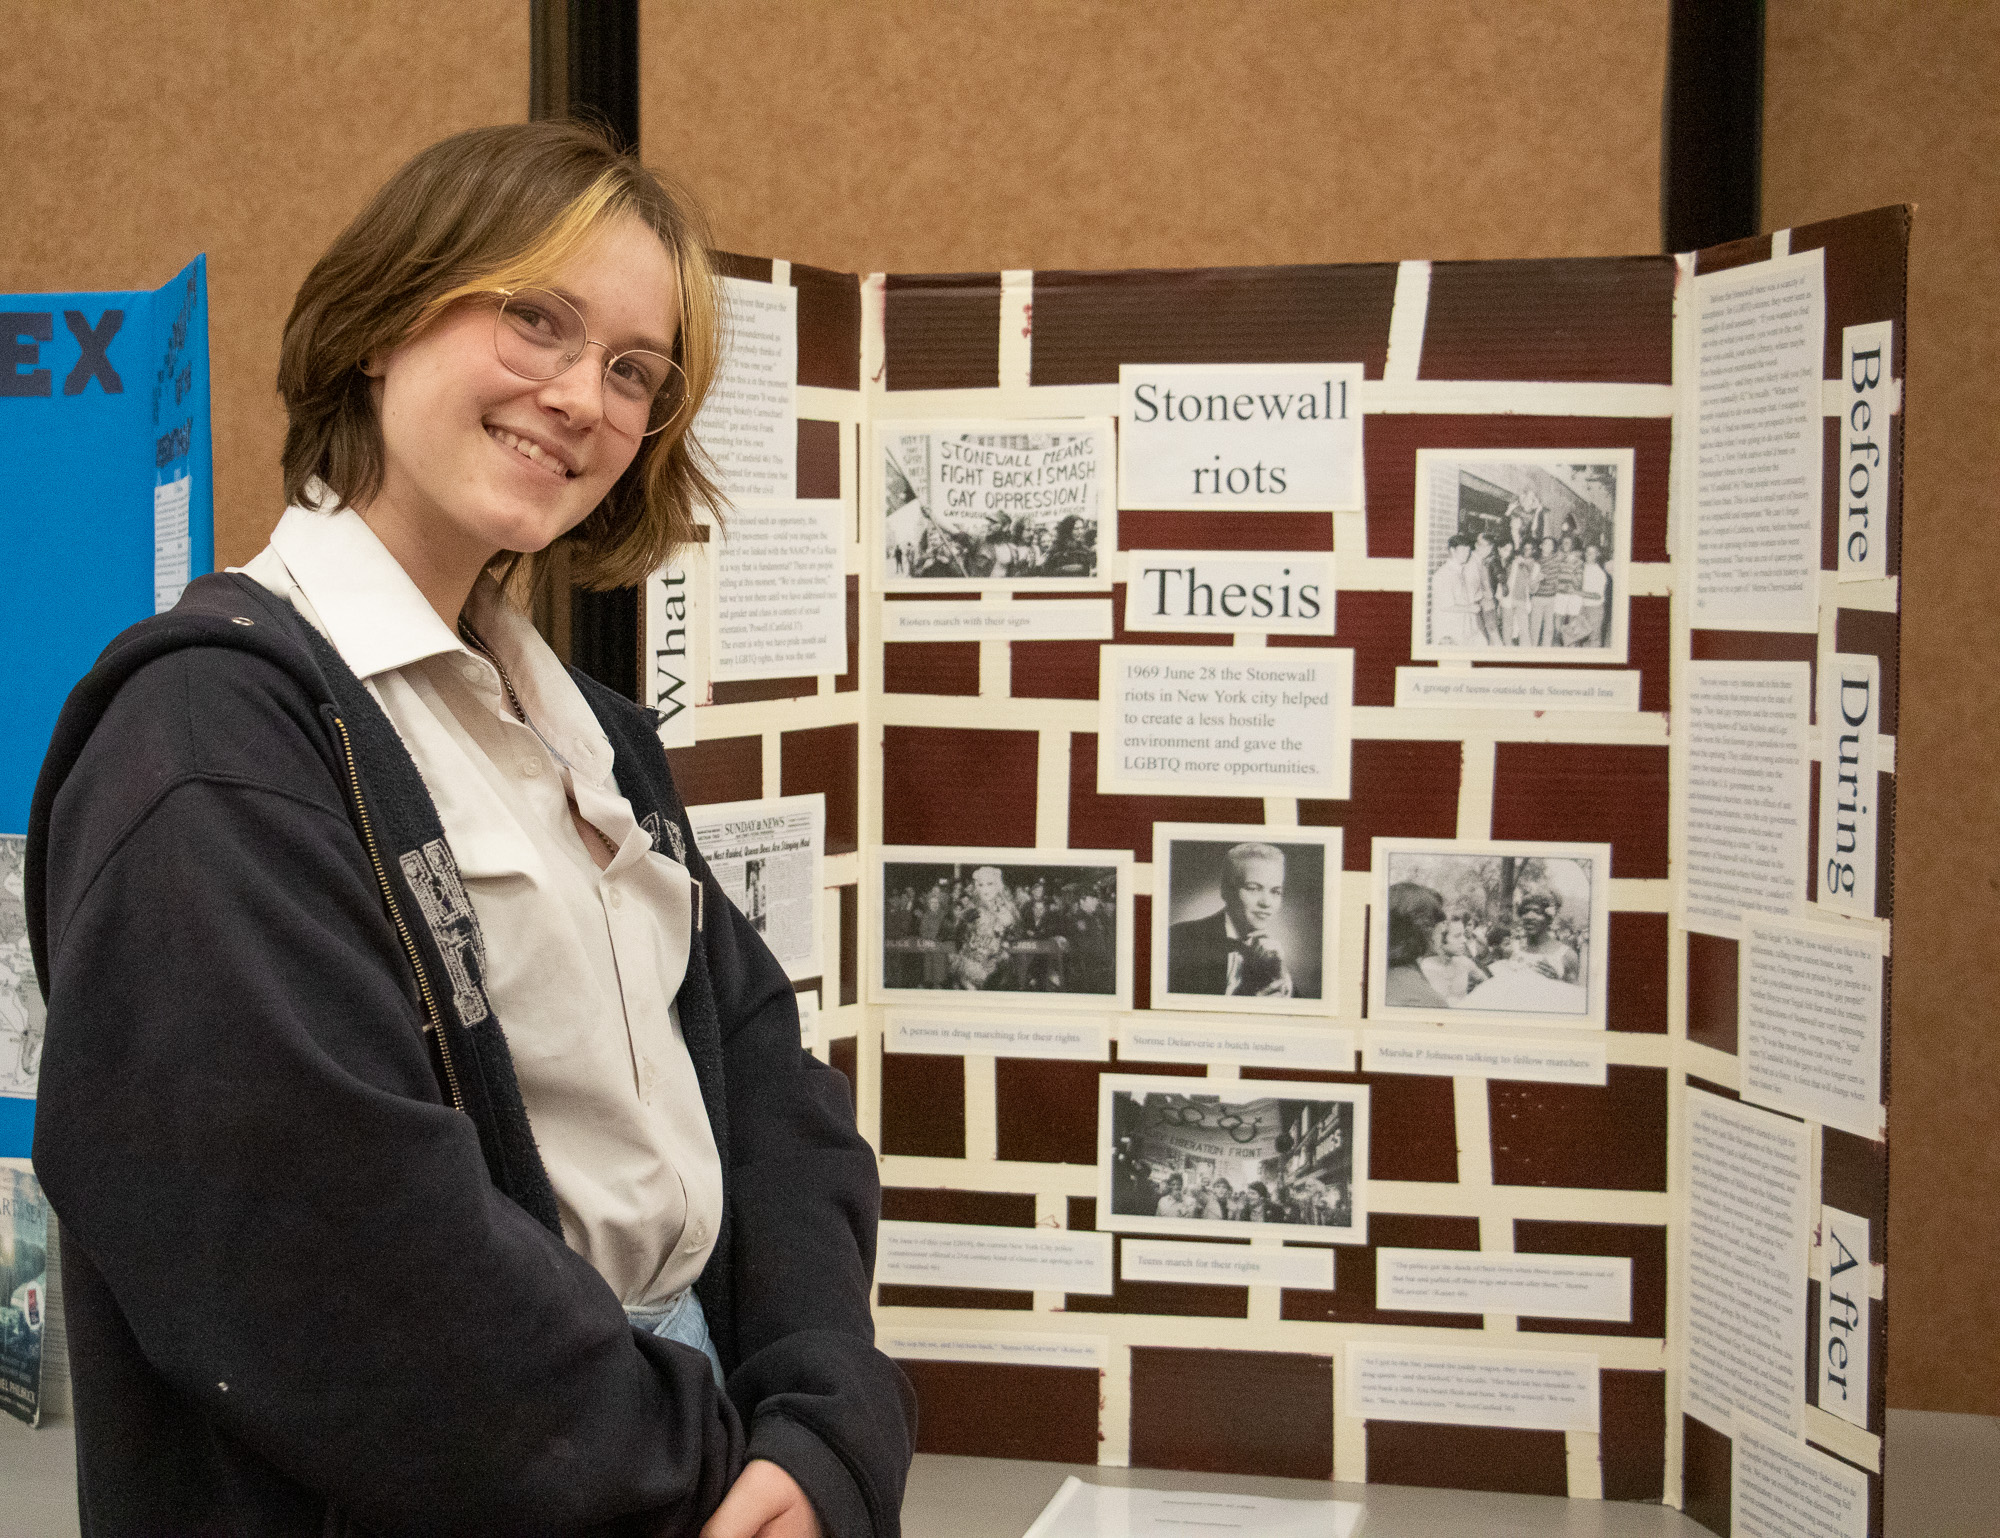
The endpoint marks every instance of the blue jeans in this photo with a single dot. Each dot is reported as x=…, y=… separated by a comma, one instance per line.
x=679, y=1319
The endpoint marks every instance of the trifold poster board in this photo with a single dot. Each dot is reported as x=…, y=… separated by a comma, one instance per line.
x=106, y=508
x=1357, y=814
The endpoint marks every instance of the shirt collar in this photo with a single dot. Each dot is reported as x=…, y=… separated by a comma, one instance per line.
x=375, y=616
x=561, y=715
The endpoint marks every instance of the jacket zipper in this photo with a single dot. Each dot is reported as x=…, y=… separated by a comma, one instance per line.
x=435, y=1022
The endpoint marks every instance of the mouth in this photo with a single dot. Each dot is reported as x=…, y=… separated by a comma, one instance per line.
x=545, y=457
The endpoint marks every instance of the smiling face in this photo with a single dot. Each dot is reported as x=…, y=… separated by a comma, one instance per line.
x=478, y=460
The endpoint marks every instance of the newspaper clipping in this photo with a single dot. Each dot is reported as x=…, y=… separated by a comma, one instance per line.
x=1024, y=505
x=767, y=857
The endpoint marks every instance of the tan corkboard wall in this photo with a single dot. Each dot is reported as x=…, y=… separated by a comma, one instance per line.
x=912, y=136
x=1864, y=105
x=138, y=134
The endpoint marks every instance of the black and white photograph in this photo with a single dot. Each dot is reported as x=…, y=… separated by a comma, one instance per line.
x=972, y=505
x=1525, y=555
x=1264, y=1157
x=1484, y=932
x=1245, y=918
x=1005, y=926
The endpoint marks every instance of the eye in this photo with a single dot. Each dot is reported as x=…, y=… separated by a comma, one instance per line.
x=535, y=322
x=634, y=372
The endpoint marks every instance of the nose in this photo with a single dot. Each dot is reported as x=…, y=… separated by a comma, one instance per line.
x=577, y=393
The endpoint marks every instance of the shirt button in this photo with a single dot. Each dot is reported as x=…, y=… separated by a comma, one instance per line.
x=472, y=673
x=531, y=767
x=697, y=1231
x=616, y=898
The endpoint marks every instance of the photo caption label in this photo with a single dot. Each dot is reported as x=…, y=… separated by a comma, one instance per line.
x=967, y=619
x=1535, y=689
x=1466, y=1057
x=1080, y=1039
x=1012, y=1259
x=1228, y=1265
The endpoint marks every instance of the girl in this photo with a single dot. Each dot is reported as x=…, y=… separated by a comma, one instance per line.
x=432, y=1139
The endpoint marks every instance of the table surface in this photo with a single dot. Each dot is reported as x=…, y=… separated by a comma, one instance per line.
x=1944, y=1482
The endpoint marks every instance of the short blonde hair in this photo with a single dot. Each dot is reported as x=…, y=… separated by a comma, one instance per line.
x=500, y=207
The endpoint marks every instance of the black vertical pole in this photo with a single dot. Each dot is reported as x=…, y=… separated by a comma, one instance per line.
x=1712, y=139
x=584, y=62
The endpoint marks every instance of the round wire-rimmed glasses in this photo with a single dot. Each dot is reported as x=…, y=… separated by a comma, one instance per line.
x=539, y=335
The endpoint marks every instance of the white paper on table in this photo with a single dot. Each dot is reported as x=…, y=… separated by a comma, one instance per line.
x=1758, y=433
x=1081, y=1510
x=749, y=424
x=1749, y=1174
x=1809, y=997
x=1781, y=1488
x=781, y=591
x=1746, y=798
x=1844, y=1333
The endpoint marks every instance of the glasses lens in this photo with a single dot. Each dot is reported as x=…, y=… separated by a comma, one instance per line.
x=643, y=392
x=537, y=334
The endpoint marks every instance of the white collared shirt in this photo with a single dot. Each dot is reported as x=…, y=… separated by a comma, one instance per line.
x=582, y=964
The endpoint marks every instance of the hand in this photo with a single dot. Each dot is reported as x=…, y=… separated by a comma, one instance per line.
x=765, y=1502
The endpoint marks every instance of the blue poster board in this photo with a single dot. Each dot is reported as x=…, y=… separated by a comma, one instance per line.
x=106, y=512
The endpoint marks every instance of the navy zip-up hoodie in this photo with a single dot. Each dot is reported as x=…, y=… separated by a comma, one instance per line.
x=313, y=1272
